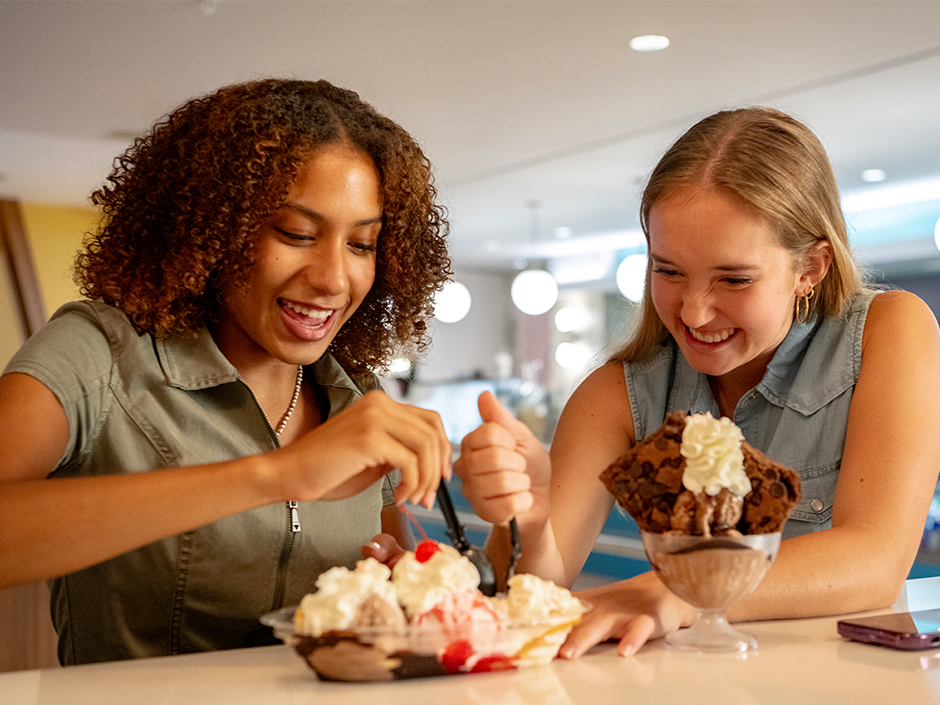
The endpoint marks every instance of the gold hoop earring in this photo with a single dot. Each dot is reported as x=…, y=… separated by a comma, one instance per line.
x=802, y=302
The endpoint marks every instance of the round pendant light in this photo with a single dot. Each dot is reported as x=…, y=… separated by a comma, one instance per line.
x=452, y=303
x=631, y=277
x=534, y=291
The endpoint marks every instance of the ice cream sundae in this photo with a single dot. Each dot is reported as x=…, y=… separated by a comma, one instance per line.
x=710, y=508
x=425, y=617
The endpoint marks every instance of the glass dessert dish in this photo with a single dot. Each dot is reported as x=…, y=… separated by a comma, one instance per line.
x=386, y=653
x=711, y=573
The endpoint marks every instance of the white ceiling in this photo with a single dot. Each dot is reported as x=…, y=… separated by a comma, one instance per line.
x=514, y=101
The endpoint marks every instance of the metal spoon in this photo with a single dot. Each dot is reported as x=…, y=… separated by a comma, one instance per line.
x=458, y=538
x=516, y=548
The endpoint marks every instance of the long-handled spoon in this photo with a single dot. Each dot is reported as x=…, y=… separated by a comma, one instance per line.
x=458, y=538
x=516, y=548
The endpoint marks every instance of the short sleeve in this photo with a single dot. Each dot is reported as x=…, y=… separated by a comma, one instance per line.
x=71, y=355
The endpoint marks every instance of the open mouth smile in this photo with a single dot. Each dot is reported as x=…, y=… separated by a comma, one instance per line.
x=717, y=336
x=309, y=317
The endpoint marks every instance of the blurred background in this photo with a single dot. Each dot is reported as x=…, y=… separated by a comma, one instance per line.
x=542, y=119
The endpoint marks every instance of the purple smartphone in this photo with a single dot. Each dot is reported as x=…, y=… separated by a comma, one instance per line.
x=906, y=630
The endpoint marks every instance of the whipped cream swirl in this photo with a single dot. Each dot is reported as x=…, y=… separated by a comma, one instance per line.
x=531, y=599
x=713, y=457
x=340, y=592
x=421, y=585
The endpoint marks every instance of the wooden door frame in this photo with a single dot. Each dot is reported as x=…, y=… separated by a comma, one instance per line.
x=16, y=248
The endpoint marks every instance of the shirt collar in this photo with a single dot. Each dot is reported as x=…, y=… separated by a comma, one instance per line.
x=693, y=393
x=197, y=363
x=777, y=383
x=194, y=363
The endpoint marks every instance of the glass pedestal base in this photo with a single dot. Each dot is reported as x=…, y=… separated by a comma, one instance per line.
x=711, y=634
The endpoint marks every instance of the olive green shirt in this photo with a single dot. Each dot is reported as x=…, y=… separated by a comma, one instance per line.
x=135, y=404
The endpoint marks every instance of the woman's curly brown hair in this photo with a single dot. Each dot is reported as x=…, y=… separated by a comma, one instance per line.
x=183, y=204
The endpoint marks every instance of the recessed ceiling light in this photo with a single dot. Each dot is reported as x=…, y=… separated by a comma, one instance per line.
x=649, y=42
x=874, y=175
x=563, y=233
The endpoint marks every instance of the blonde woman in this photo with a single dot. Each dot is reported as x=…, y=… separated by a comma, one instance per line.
x=754, y=310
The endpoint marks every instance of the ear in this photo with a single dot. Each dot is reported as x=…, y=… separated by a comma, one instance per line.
x=815, y=263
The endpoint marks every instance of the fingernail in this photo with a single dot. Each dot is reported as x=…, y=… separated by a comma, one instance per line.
x=375, y=545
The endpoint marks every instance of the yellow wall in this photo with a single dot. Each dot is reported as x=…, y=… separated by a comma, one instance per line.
x=55, y=235
x=10, y=324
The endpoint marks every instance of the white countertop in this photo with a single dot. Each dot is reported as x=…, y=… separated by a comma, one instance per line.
x=797, y=661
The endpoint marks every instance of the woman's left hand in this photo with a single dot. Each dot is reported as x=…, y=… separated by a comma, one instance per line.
x=632, y=611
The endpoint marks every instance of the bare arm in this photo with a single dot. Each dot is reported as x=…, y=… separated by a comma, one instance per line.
x=50, y=527
x=889, y=471
x=595, y=428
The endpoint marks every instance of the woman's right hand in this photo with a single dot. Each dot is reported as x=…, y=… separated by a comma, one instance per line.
x=504, y=468
x=632, y=611
x=376, y=434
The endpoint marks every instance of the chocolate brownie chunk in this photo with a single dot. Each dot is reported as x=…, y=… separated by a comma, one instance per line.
x=775, y=491
x=647, y=480
x=647, y=483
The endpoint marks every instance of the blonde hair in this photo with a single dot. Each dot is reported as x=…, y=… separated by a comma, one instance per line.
x=775, y=166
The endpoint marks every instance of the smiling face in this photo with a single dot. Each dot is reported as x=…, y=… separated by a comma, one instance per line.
x=314, y=264
x=721, y=283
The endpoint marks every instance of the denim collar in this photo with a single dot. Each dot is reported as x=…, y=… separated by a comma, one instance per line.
x=798, y=376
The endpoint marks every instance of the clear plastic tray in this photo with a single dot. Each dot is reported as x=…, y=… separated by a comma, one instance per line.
x=422, y=650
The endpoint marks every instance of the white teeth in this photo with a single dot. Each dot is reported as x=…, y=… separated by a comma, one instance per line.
x=317, y=314
x=716, y=337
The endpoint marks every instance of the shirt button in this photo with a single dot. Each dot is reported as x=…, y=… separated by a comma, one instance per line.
x=816, y=505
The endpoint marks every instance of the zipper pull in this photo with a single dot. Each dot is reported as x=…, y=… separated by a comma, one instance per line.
x=294, y=517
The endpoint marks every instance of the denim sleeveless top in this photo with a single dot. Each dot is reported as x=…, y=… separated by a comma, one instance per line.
x=797, y=414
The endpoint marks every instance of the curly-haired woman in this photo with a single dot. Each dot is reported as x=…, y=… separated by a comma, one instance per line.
x=192, y=445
